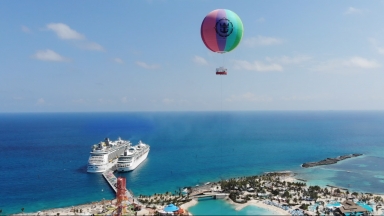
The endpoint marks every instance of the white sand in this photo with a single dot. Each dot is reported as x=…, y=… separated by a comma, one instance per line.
x=87, y=209
x=260, y=204
x=238, y=206
x=188, y=204
x=96, y=207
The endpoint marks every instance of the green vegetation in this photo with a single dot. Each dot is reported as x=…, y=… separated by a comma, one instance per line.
x=304, y=206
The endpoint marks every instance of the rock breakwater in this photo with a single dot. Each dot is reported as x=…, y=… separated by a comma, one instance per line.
x=329, y=160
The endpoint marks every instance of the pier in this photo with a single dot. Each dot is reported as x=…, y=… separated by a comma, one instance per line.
x=112, y=181
x=211, y=195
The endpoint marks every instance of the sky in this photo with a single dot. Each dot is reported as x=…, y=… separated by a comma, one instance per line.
x=107, y=56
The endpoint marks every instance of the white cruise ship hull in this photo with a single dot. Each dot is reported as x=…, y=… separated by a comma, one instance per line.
x=133, y=165
x=104, y=155
x=100, y=168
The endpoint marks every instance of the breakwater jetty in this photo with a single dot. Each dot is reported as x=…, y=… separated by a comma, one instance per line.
x=329, y=160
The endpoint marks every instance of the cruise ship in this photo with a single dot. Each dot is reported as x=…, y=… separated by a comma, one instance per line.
x=132, y=157
x=104, y=155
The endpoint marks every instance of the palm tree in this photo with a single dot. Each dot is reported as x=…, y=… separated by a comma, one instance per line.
x=377, y=199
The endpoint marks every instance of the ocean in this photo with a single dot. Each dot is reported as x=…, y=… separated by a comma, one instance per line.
x=43, y=156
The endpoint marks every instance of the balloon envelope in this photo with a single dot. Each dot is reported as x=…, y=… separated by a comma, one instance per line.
x=221, y=30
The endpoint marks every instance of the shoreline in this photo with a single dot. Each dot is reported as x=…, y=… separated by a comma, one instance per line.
x=286, y=176
x=259, y=204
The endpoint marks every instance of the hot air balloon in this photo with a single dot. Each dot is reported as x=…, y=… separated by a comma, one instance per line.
x=221, y=32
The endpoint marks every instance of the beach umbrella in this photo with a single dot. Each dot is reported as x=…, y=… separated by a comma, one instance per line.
x=170, y=208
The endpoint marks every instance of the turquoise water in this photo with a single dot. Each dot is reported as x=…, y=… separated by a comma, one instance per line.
x=333, y=204
x=362, y=204
x=221, y=207
x=360, y=174
x=43, y=156
x=357, y=214
x=313, y=207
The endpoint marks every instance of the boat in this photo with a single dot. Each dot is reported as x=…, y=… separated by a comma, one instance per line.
x=105, y=154
x=132, y=157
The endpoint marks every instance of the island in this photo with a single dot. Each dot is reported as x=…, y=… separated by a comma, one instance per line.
x=329, y=160
x=278, y=192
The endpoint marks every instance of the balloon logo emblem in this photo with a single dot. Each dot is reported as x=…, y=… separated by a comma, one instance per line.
x=224, y=27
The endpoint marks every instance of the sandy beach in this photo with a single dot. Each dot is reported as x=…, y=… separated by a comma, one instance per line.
x=108, y=206
x=188, y=204
x=85, y=209
x=286, y=176
x=260, y=204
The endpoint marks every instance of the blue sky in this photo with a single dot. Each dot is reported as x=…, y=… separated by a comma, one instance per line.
x=80, y=56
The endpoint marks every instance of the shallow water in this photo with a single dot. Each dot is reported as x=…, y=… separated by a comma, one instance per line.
x=221, y=207
x=361, y=174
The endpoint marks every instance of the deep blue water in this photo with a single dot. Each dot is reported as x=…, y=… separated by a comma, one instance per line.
x=43, y=156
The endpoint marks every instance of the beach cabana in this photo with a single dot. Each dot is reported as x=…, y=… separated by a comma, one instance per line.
x=171, y=208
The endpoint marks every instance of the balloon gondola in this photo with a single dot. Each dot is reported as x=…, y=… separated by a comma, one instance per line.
x=221, y=32
x=221, y=71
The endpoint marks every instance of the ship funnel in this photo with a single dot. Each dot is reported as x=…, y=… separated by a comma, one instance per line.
x=106, y=141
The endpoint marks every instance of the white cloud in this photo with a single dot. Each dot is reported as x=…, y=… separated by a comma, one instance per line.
x=257, y=66
x=167, y=101
x=248, y=97
x=262, y=41
x=63, y=31
x=260, y=20
x=297, y=98
x=342, y=65
x=376, y=46
x=125, y=99
x=270, y=64
x=91, y=46
x=25, y=29
x=200, y=60
x=293, y=60
x=48, y=55
x=380, y=50
x=118, y=60
x=40, y=101
x=362, y=63
x=105, y=101
x=80, y=101
x=352, y=10
x=147, y=66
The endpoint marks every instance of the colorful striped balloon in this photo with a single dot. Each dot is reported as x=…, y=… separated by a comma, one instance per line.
x=221, y=30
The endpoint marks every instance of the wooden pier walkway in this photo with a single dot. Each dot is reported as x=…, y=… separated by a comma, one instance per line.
x=210, y=194
x=112, y=181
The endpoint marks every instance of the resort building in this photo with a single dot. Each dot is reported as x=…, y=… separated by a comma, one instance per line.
x=350, y=208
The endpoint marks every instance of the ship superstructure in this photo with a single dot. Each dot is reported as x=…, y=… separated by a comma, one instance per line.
x=132, y=157
x=105, y=154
